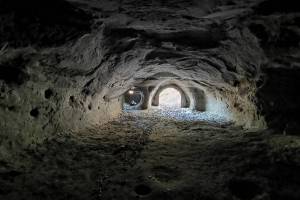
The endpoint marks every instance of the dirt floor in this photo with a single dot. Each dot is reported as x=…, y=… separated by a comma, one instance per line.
x=144, y=156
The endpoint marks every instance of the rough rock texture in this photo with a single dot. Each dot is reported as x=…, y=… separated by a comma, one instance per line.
x=65, y=64
x=42, y=88
x=277, y=27
x=40, y=24
x=144, y=156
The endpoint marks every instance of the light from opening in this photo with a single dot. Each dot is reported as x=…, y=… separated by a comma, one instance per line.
x=130, y=92
x=170, y=97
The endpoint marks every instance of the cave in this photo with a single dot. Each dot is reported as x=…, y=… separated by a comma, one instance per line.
x=162, y=100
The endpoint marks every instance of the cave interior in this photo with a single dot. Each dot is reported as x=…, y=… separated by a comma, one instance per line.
x=160, y=99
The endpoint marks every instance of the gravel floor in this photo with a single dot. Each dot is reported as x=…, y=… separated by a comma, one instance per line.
x=180, y=114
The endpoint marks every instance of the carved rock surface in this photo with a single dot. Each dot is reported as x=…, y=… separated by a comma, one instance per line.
x=64, y=65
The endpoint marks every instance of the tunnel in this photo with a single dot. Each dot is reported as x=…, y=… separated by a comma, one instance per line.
x=170, y=97
x=136, y=99
x=133, y=99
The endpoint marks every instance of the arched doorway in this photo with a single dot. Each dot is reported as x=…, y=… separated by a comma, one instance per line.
x=170, y=97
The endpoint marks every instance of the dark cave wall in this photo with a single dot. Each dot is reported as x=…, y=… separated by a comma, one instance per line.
x=41, y=23
x=277, y=27
x=279, y=101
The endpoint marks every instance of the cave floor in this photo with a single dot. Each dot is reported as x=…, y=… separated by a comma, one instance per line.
x=142, y=156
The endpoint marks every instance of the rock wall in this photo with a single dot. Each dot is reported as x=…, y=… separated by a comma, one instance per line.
x=42, y=103
x=277, y=27
x=45, y=63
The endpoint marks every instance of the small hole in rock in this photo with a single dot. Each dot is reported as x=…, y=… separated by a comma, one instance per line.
x=72, y=99
x=11, y=108
x=48, y=93
x=34, y=112
x=90, y=106
x=244, y=189
x=142, y=190
x=236, y=83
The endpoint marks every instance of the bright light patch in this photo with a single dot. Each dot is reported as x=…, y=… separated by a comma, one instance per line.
x=170, y=97
x=130, y=91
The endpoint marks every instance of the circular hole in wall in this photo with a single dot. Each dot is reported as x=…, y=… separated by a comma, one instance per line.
x=34, y=112
x=244, y=189
x=133, y=98
x=11, y=108
x=48, y=93
x=142, y=190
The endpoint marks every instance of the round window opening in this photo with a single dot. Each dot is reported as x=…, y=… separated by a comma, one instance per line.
x=133, y=99
x=170, y=97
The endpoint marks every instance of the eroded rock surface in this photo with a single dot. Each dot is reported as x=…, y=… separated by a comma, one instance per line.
x=151, y=157
x=65, y=65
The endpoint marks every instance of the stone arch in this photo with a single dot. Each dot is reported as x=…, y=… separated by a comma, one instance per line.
x=185, y=100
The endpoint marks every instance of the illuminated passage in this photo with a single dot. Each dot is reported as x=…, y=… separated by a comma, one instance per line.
x=170, y=97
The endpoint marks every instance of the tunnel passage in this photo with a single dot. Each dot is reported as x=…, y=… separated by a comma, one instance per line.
x=167, y=94
x=66, y=68
x=170, y=96
x=133, y=99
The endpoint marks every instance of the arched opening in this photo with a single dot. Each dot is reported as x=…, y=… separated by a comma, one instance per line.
x=170, y=97
x=133, y=99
